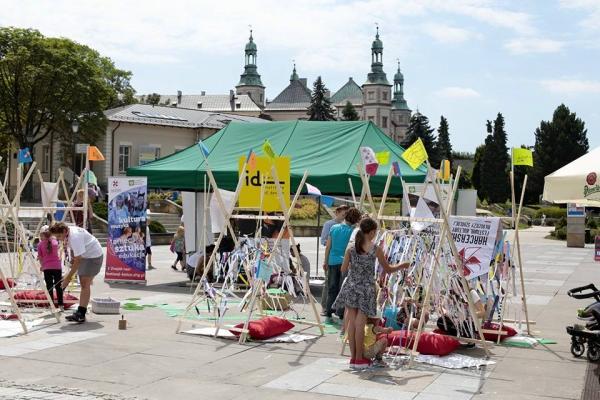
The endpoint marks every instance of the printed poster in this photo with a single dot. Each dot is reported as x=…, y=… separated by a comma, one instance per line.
x=475, y=240
x=126, y=243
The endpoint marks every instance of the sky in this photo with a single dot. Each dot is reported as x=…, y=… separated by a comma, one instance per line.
x=464, y=59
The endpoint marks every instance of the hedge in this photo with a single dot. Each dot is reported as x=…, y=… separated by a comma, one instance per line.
x=551, y=212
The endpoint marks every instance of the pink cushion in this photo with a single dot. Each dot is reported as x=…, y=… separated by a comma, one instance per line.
x=509, y=331
x=430, y=343
x=24, y=298
x=266, y=328
x=10, y=281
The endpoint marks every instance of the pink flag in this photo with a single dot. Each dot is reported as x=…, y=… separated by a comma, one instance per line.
x=312, y=189
x=369, y=160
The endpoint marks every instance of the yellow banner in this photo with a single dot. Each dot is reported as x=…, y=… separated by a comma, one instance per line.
x=416, y=154
x=94, y=154
x=250, y=192
x=522, y=156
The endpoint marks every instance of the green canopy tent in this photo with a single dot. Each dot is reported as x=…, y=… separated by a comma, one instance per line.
x=328, y=150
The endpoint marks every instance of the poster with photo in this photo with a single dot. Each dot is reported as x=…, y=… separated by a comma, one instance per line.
x=126, y=243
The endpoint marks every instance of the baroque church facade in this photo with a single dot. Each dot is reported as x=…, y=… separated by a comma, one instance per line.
x=375, y=100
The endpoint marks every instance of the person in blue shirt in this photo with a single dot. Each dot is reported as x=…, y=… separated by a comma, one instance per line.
x=338, y=239
x=340, y=213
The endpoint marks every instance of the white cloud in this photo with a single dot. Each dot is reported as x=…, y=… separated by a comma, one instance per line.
x=448, y=34
x=591, y=9
x=571, y=86
x=456, y=92
x=524, y=45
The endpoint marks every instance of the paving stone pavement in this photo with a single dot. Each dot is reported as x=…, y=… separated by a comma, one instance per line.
x=150, y=361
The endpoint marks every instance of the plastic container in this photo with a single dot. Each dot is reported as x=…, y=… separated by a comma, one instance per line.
x=105, y=306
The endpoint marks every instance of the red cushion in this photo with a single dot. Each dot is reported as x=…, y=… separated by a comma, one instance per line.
x=266, y=328
x=430, y=343
x=10, y=281
x=24, y=298
x=509, y=331
x=8, y=316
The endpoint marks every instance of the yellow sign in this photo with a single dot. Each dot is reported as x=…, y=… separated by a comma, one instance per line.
x=415, y=155
x=522, y=157
x=383, y=157
x=444, y=172
x=250, y=192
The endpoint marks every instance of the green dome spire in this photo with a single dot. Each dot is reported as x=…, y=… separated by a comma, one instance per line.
x=294, y=76
x=377, y=76
x=399, y=103
x=250, y=77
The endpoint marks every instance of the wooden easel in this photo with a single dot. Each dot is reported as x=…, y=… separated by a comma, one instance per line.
x=256, y=285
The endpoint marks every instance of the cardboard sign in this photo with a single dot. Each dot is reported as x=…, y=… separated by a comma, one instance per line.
x=250, y=192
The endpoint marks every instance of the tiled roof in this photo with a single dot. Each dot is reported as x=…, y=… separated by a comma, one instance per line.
x=211, y=102
x=295, y=96
x=349, y=92
x=173, y=116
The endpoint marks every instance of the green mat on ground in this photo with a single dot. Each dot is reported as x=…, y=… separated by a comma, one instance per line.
x=133, y=299
x=136, y=307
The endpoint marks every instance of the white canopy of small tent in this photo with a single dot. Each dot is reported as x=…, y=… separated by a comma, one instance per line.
x=577, y=182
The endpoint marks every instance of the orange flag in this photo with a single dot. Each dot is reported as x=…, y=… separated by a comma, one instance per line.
x=94, y=154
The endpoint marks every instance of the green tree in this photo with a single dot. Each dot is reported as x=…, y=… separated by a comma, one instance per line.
x=444, y=147
x=47, y=83
x=493, y=164
x=475, y=175
x=320, y=106
x=419, y=128
x=152, y=98
x=557, y=143
x=349, y=112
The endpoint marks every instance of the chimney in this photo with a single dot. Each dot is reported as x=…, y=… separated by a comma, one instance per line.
x=203, y=93
x=303, y=81
x=179, y=97
x=232, y=100
x=199, y=105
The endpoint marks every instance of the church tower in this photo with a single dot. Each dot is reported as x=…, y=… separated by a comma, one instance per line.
x=377, y=99
x=250, y=82
x=400, y=111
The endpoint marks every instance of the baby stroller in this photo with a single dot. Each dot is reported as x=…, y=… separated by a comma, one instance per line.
x=590, y=332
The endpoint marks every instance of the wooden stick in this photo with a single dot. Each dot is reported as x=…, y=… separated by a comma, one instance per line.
x=385, y=193
x=518, y=245
x=352, y=191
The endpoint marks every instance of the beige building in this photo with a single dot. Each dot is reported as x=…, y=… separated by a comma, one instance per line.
x=136, y=134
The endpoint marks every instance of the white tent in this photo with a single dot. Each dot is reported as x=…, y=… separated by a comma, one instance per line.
x=577, y=182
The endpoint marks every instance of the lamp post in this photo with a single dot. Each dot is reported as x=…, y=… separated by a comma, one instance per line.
x=75, y=128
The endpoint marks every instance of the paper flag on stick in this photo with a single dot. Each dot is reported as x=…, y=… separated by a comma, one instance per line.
x=312, y=190
x=383, y=157
x=25, y=156
x=522, y=157
x=91, y=178
x=416, y=154
x=251, y=161
x=444, y=172
x=268, y=150
x=367, y=155
x=94, y=154
x=396, y=167
x=327, y=200
x=203, y=148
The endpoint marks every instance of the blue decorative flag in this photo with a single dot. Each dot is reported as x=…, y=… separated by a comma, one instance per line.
x=326, y=200
x=203, y=148
x=396, y=167
x=25, y=156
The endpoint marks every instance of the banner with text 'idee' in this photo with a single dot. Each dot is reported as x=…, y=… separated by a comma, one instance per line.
x=250, y=192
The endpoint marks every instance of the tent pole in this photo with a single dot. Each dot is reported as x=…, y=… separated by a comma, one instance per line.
x=318, y=236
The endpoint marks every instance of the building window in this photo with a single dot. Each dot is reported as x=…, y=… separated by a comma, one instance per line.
x=156, y=153
x=385, y=95
x=261, y=98
x=46, y=158
x=124, y=158
x=371, y=118
x=384, y=122
x=371, y=95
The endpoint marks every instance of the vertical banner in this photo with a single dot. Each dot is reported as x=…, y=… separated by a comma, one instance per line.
x=126, y=243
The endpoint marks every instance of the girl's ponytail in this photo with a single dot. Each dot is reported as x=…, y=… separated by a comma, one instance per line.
x=358, y=241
